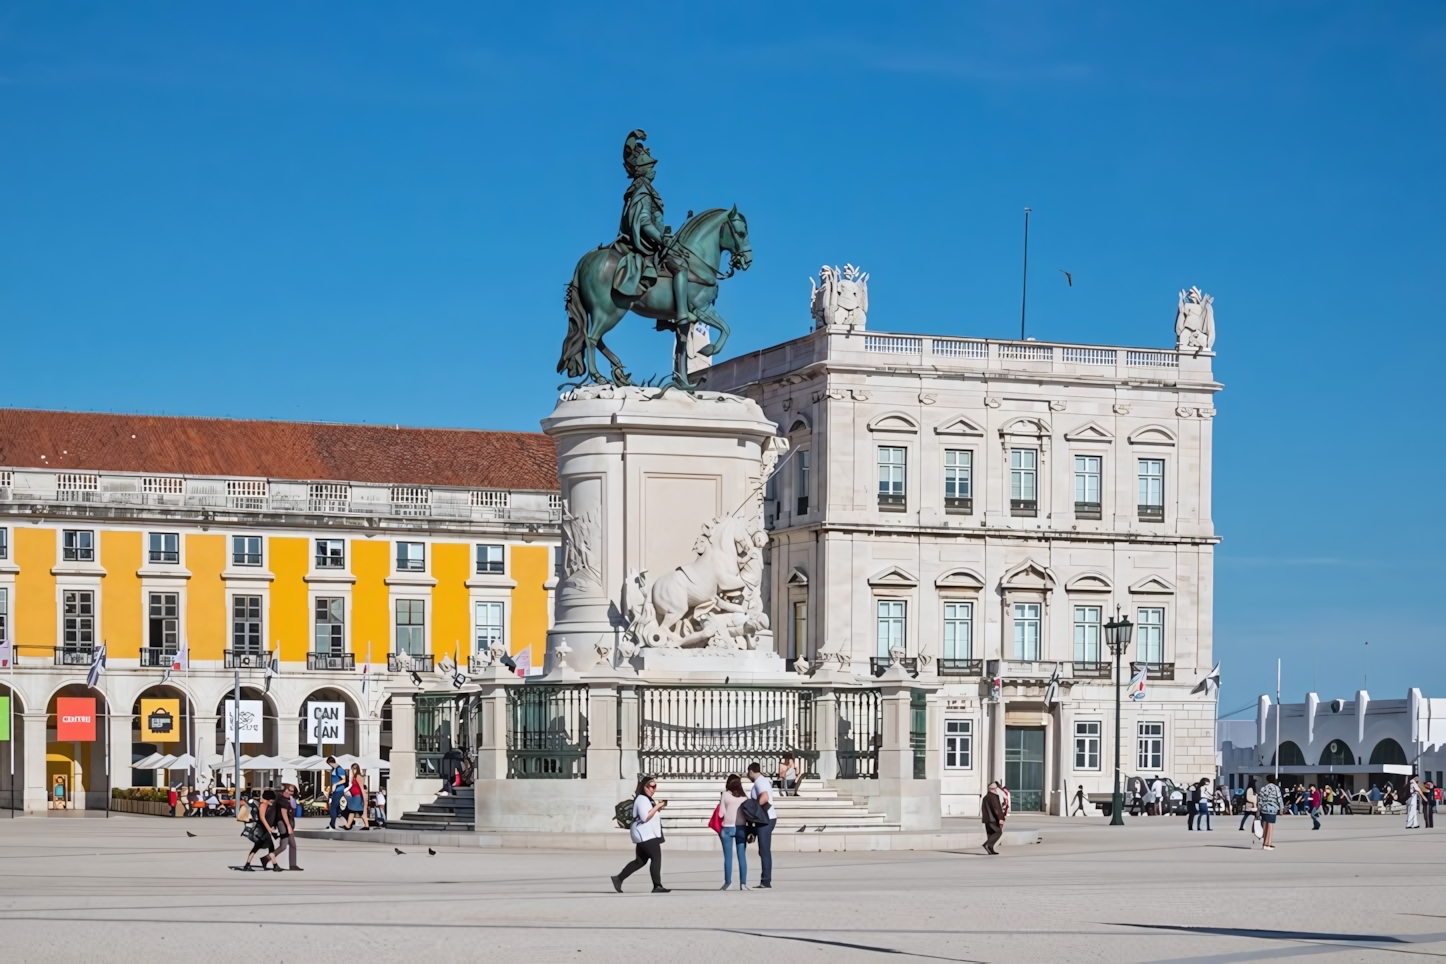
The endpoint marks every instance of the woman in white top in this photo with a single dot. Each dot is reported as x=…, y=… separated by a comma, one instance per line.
x=647, y=834
x=1413, y=804
x=734, y=833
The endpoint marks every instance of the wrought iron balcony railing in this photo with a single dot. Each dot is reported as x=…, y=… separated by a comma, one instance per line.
x=878, y=665
x=74, y=655
x=1087, y=510
x=959, y=505
x=1152, y=513
x=410, y=663
x=326, y=661
x=949, y=666
x=157, y=656
x=246, y=660
x=1028, y=508
x=1093, y=669
x=1155, y=670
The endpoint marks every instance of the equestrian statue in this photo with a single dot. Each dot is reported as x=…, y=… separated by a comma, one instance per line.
x=652, y=272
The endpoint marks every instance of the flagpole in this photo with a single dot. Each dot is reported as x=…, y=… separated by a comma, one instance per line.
x=236, y=740
x=1277, y=720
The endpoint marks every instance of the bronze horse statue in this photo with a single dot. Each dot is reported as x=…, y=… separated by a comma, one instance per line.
x=595, y=305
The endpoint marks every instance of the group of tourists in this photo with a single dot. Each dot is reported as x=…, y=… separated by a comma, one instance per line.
x=743, y=816
x=1262, y=807
x=270, y=821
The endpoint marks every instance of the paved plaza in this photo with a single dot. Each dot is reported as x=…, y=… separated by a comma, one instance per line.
x=140, y=889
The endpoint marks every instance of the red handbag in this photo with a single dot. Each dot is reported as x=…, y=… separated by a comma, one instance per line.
x=715, y=822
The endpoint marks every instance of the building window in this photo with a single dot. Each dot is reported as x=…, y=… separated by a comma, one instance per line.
x=554, y=502
x=798, y=642
x=5, y=616
x=1087, y=745
x=4, y=543
x=1026, y=631
x=489, y=627
x=771, y=508
x=1150, y=631
x=77, y=545
x=411, y=557
x=410, y=500
x=330, y=623
x=411, y=623
x=958, y=753
x=891, y=477
x=958, y=481
x=1087, y=486
x=802, y=481
x=328, y=497
x=164, y=622
x=330, y=554
x=1152, y=490
x=164, y=547
x=78, y=628
x=1151, y=746
x=557, y=561
x=246, y=625
x=246, y=494
x=958, y=630
x=891, y=626
x=245, y=550
x=489, y=559
x=1023, y=476
x=1086, y=634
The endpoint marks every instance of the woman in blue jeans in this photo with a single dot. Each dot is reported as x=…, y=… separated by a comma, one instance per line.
x=734, y=834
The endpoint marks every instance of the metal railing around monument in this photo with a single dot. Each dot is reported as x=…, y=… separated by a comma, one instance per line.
x=547, y=732
x=860, y=734
x=710, y=732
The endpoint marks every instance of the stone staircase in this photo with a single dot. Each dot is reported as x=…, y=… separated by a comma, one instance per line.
x=816, y=809
x=452, y=811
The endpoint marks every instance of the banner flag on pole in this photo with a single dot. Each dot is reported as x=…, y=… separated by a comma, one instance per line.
x=97, y=666
x=1051, y=692
x=1137, y=685
x=1210, y=685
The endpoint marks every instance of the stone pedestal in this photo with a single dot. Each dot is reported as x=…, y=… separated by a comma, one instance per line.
x=642, y=472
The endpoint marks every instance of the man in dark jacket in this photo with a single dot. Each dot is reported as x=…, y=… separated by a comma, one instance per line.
x=991, y=811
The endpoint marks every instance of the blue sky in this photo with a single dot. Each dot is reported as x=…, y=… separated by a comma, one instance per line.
x=363, y=213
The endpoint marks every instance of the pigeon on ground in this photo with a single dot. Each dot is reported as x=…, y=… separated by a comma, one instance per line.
x=189, y=834
x=400, y=851
x=819, y=828
x=431, y=852
x=801, y=829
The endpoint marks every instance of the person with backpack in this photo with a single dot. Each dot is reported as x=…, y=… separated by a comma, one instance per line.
x=337, y=795
x=262, y=831
x=1270, y=803
x=761, y=818
x=646, y=832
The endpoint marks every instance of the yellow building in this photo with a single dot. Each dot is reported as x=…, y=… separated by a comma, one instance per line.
x=348, y=557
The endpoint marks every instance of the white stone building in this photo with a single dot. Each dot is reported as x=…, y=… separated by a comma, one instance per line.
x=988, y=506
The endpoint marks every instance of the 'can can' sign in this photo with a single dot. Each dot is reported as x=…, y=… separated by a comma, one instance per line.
x=326, y=722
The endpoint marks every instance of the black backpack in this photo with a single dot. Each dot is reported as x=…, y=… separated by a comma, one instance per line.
x=623, y=814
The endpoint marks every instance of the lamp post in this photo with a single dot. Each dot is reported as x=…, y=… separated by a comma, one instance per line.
x=1117, y=636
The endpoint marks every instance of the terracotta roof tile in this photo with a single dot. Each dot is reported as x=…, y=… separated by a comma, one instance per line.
x=302, y=451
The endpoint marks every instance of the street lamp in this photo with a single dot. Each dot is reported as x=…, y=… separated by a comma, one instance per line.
x=1117, y=637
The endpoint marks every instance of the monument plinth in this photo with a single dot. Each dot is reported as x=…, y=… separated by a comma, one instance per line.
x=662, y=532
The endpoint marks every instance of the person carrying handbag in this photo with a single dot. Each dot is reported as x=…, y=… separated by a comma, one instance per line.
x=262, y=832
x=761, y=817
x=733, y=831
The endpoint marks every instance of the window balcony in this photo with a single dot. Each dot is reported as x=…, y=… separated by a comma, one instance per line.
x=878, y=665
x=949, y=666
x=962, y=505
x=246, y=660
x=1087, y=510
x=157, y=656
x=74, y=655
x=1156, y=670
x=326, y=661
x=802, y=505
x=1152, y=513
x=1024, y=508
x=1093, y=669
x=892, y=503
x=405, y=663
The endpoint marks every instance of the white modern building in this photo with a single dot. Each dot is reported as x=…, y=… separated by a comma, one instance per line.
x=987, y=506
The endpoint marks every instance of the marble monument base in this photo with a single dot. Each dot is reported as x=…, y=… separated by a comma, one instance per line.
x=748, y=666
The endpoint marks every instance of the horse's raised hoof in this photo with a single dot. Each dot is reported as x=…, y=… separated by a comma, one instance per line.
x=621, y=377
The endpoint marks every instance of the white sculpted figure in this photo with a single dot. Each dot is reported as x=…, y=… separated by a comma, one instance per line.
x=1195, y=322
x=840, y=298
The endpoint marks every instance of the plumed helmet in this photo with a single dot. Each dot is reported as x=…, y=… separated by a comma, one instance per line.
x=635, y=153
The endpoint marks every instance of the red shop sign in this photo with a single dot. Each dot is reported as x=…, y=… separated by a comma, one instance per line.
x=75, y=719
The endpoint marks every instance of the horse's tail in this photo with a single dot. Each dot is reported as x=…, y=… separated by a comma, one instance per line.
x=574, y=343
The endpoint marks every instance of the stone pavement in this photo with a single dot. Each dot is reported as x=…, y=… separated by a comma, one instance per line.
x=138, y=889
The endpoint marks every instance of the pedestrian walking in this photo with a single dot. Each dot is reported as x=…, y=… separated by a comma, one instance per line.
x=1428, y=804
x=290, y=807
x=378, y=809
x=262, y=832
x=1413, y=804
x=647, y=836
x=1192, y=808
x=1247, y=809
x=763, y=833
x=1269, y=801
x=1313, y=806
x=991, y=812
x=1149, y=799
x=1079, y=802
x=733, y=833
x=356, y=799
x=337, y=792
x=1157, y=787
x=1204, y=796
